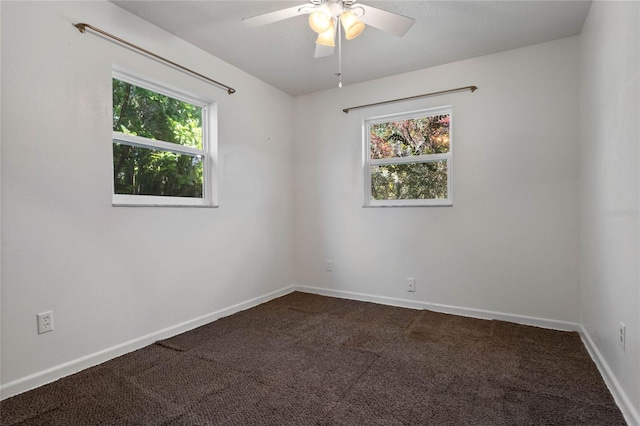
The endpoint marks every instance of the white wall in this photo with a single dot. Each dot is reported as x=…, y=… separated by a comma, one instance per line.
x=509, y=243
x=609, y=188
x=114, y=274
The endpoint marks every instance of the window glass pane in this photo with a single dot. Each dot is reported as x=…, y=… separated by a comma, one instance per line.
x=404, y=138
x=415, y=181
x=144, y=171
x=142, y=112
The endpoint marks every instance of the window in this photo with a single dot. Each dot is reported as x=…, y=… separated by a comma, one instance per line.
x=407, y=159
x=162, y=148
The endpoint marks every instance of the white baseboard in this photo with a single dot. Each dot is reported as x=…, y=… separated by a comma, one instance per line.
x=628, y=411
x=447, y=309
x=47, y=376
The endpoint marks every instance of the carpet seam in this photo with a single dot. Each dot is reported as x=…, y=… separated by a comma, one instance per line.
x=29, y=418
x=350, y=388
x=357, y=379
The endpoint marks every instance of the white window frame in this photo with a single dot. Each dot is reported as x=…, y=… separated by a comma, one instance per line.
x=368, y=162
x=208, y=151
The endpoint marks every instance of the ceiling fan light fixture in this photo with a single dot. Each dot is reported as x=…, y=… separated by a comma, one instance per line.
x=328, y=38
x=320, y=20
x=352, y=26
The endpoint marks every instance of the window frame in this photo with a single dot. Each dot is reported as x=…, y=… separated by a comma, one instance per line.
x=368, y=162
x=208, y=151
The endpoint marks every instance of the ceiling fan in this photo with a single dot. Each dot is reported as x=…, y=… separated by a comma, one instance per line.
x=327, y=17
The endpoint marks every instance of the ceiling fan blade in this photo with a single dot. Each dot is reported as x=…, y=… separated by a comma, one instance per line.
x=322, y=51
x=278, y=15
x=385, y=21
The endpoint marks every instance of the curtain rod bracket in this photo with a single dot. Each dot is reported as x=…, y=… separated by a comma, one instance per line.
x=425, y=95
x=82, y=27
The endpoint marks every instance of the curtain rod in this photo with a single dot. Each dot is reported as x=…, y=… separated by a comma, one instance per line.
x=442, y=92
x=82, y=28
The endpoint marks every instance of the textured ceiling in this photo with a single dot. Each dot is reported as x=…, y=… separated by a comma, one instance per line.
x=281, y=53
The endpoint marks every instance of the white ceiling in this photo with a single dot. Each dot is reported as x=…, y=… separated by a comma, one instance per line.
x=281, y=53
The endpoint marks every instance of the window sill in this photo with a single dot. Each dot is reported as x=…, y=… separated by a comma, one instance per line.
x=123, y=200
x=409, y=203
x=166, y=205
x=386, y=206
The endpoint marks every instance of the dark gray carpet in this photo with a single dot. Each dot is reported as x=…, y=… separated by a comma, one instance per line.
x=310, y=360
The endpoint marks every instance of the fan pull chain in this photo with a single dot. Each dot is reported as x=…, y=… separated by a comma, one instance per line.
x=339, y=73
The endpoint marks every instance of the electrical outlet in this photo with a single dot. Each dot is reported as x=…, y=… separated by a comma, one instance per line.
x=411, y=284
x=329, y=265
x=623, y=336
x=45, y=322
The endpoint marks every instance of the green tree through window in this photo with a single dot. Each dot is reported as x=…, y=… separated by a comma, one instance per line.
x=152, y=170
x=408, y=158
